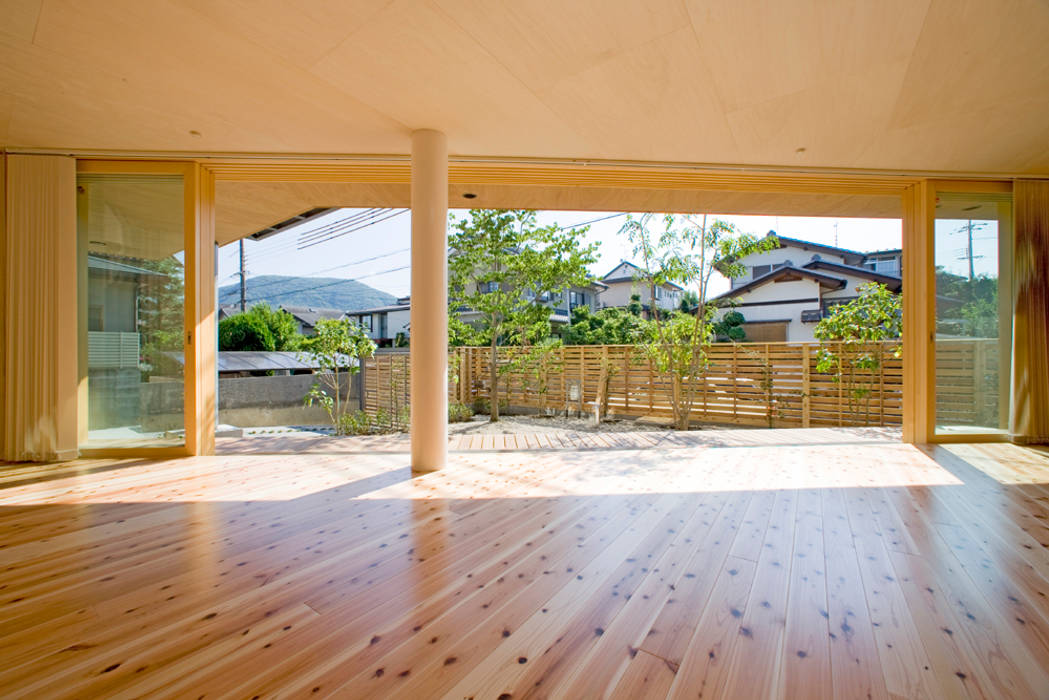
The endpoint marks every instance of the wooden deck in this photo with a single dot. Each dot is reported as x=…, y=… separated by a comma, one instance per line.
x=747, y=564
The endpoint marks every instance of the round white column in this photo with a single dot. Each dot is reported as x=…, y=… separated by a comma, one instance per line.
x=429, y=301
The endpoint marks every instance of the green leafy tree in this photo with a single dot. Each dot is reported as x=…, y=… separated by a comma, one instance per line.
x=635, y=308
x=686, y=251
x=501, y=267
x=730, y=327
x=861, y=325
x=282, y=325
x=612, y=326
x=245, y=332
x=689, y=301
x=160, y=314
x=260, y=328
x=966, y=306
x=336, y=348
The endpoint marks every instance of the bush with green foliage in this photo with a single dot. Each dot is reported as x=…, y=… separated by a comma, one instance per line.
x=242, y=332
x=730, y=327
x=612, y=326
x=260, y=328
x=459, y=412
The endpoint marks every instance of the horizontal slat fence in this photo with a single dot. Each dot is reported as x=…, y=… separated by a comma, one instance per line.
x=754, y=384
x=967, y=382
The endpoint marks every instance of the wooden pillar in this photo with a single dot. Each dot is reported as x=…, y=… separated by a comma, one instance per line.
x=919, y=367
x=429, y=302
x=806, y=386
x=201, y=323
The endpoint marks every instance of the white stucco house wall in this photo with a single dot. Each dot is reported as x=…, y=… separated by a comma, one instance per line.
x=626, y=279
x=787, y=290
x=383, y=323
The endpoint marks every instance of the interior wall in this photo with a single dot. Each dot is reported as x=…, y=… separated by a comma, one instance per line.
x=40, y=309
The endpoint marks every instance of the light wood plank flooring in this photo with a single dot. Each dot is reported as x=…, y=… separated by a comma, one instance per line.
x=736, y=564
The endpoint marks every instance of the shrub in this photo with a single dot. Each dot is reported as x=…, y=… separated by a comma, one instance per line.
x=356, y=423
x=245, y=332
x=459, y=412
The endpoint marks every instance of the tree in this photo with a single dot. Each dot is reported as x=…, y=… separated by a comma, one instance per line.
x=282, y=325
x=689, y=301
x=336, y=348
x=966, y=307
x=612, y=326
x=874, y=316
x=245, y=332
x=260, y=328
x=730, y=327
x=160, y=314
x=502, y=266
x=687, y=252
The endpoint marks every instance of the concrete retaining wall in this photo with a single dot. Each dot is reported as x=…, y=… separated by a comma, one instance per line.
x=243, y=402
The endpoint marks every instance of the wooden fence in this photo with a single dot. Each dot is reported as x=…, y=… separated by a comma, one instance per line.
x=753, y=384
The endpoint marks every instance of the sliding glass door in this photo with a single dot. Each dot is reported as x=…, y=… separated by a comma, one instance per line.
x=132, y=241
x=973, y=331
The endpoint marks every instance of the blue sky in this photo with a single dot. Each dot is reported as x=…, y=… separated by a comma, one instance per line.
x=378, y=253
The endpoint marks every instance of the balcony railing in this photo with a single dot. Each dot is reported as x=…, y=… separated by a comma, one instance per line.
x=112, y=350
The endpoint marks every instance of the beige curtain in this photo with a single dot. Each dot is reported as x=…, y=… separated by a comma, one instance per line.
x=1029, y=421
x=39, y=313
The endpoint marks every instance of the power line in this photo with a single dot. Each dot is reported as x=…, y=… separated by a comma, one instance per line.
x=340, y=281
x=361, y=261
x=352, y=230
x=349, y=220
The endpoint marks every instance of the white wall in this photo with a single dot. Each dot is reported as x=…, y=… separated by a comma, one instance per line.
x=397, y=322
x=797, y=256
x=781, y=291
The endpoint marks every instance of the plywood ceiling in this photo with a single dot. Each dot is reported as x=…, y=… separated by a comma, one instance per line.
x=918, y=85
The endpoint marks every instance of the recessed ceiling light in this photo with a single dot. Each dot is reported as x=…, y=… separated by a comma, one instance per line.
x=469, y=195
x=799, y=150
x=194, y=132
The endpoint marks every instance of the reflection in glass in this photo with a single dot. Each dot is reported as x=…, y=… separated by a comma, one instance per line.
x=973, y=315
x=131, y=239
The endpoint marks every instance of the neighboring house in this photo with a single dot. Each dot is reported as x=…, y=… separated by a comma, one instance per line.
x=626, y=279
x=561, y=304
x=114, y=289
x=789, y=289
x=384, y=323
x=306, y=317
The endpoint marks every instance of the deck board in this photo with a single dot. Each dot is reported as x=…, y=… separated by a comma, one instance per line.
x=786, y=563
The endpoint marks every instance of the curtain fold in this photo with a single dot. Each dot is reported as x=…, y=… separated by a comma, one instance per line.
x=39, y=314
x=1029, y=420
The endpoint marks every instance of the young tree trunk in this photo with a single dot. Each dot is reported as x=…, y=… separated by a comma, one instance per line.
x=680, y=416
x=493, y=394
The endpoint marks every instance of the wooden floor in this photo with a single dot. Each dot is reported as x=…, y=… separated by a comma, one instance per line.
x=749, y=564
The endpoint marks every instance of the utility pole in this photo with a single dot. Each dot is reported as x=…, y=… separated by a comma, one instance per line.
x=243, y=280
x=969, y=231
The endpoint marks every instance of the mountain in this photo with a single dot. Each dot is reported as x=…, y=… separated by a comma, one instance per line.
x=316, y=292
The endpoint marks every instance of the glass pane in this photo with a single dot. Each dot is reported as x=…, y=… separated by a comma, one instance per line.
x=131, y=238
x=973, y=312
